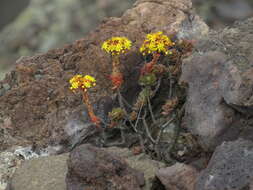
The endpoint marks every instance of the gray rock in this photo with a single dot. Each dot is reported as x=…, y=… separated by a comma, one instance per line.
x=178, y=177
x=140, y=162
x=206, y=116
x=184, y=25
x=234, y=10
x=38, y=169
x=44, y=173
x=220, y=80
x=93, y=168
x=231, y=167
x=223, y=13
x=12, y=159
x=8, y=164
x=236, y=43
x=28, y=153
x=192, y=28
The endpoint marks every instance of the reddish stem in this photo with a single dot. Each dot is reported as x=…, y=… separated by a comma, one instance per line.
x=148, y=67
x=94, y=119
x=116, y=76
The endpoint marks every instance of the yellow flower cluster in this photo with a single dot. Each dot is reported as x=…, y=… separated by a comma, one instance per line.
x=156, y=42
x=83, y=82
x=117, y=45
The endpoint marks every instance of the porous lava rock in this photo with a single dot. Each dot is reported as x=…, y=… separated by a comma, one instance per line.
x=37, y=106
x=207, y=116
x=220, y=78
x=231, y=167
x=93, y=168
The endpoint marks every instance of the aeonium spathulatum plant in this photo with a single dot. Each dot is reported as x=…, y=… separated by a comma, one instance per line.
x=155, y=44
x=84, y=83
x=116, y=46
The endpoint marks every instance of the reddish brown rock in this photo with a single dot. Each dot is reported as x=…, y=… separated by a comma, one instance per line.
x=93, y=168
x=141, y=162
x=178, y=177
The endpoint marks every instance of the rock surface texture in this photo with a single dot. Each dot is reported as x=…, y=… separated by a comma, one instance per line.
x=8, y=164
x=92, y=168
x=178, y=177
x=140, y=162
x=45, y=173
x=231, y=167
x=37, y=106
x=220, y=78
x=51, y=170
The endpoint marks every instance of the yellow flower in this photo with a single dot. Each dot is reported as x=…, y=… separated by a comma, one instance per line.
x=117, y=45
x=83, y=82
x=156, y=42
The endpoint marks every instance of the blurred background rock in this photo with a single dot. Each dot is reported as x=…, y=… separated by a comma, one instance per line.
x=35, y=26
x=221, y=13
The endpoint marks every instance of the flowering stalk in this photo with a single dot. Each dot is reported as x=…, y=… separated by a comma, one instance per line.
x=83, y=83
x=155, y=44
x=94, y=119
x=116, y=75
x=116, y=46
